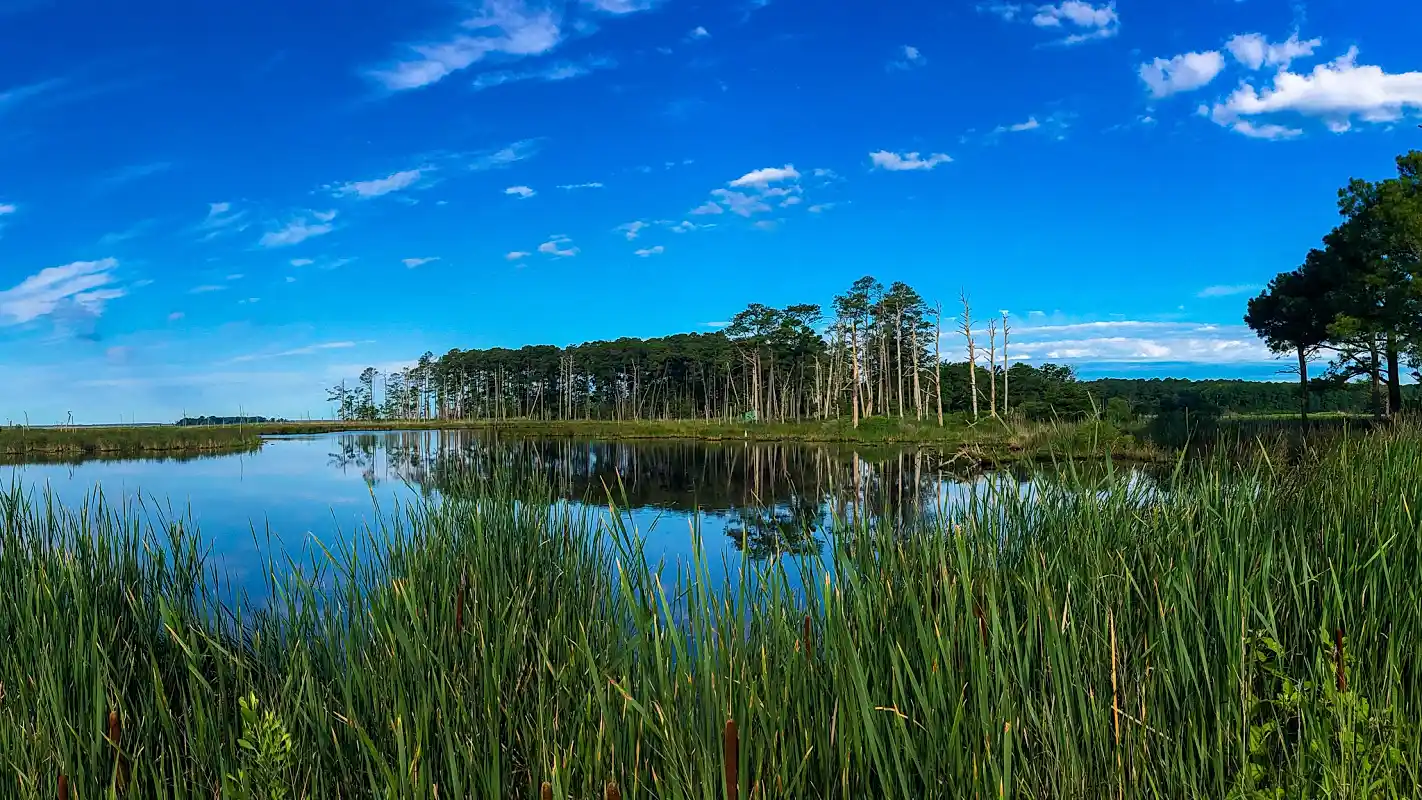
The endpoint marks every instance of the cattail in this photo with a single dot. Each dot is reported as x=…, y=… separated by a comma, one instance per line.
x=459, y=605
x=809, y=641
x=1342, y=675
x=120, y=763
x=63, y=786
x=733, y=754
x=547, y=792
x=611, y=792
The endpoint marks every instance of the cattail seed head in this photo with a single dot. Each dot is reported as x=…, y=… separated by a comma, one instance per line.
x=546, y=793
x=611, y=792
x=63, y=786
x=733, y=755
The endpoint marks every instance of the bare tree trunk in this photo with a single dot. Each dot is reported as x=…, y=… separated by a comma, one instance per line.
x=899, y=354
x=1006, y=363
x=938, y=361
x=1303, y=388
x=854, y=364
x=917, y=392
x=972, y=353
x=992, y=367
x=1376, y=374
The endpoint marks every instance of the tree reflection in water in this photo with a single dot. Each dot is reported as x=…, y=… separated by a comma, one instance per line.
x=774, y=498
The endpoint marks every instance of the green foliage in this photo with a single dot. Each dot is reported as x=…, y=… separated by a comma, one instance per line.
x=23, y=442
x=265, y=750
x=1087, y=639
x=1313, y=735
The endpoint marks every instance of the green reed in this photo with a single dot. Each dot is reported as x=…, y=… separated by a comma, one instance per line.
x=25, y=443
x=1232, y=632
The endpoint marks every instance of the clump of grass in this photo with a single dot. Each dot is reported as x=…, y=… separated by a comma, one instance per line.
x=25, y=443
x=1092, y=640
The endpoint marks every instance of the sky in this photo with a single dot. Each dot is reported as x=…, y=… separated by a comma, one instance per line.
x=225, y=208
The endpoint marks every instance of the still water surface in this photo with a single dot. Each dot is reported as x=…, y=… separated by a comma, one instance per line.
x=761, y=497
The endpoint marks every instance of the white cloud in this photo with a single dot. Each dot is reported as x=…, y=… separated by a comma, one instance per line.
x=522, y=192
x=1143, y=341
x=739, y=202
x=766, y=176
x=1181, y=73
x=1227, y=291
x=1030, y=125
x=1266, y=131
x=908, y=57
x=1077, y=13
x=1007, y=11
x=511, y=28
x=560, y=71
x=700, y=32
x=299, y=351
x=792, y=200
x=299, y=230
x=1253, y=50
x=516, y=255
x=235, y=276
x=175, y=316
x=84, y=286
x=651, y=251
x=820, y=208
x=518, y=151
x=766, y=224
x=207, y=288
x=571, y=186
x=379, y=186
x=631, y=229
x=417, y=262
x=709, y=207
x=827, y=174
x=896, y=162
x=302, y=262
x=686, y=226
x=222, y=219
x=621, y=6
x=7, y=208
x=1336, y=93
x=558, y=247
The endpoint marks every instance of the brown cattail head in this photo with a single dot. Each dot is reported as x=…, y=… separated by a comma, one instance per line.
x=1338, y=654
x=546, y=793
x=611, y=792
x=115, y=728
x=733, y=763
x=459, y=605
x=63, y=786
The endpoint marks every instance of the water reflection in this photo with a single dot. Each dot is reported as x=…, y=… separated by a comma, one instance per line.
x=764, y=499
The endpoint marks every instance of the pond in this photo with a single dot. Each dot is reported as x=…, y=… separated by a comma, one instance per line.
x=759, y=497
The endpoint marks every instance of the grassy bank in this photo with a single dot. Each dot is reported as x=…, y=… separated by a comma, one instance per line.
x=21, y=442
x=1244, y=633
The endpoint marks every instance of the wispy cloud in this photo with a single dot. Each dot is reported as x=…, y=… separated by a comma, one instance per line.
x=221, y=219
x=650, y=251
x=300, y=229
x=119, y=177
x=8, y=208
x=510, y=28
x=895, y=162
x=207, y=288
x=908, y=57
x=552, y=73
x=82, y=286
x=302, y=262
x=379, y=187
x=1228, y=290
x=517, y=254
x=521, y=192
x=700, y=32
x=631, y=229
x=558, y=247
x=1183, y=73
x=1087, y=21
x=412, y=263
x=299, y=351
x=1030, y=125
x=572, y=186
x=505, y=156
x=15, y=95
x=766, y=176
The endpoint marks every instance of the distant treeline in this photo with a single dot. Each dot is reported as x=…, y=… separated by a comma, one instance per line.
x=185, y=421
x=1151, y=396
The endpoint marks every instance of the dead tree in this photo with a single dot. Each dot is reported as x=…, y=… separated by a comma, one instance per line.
x=967, y=330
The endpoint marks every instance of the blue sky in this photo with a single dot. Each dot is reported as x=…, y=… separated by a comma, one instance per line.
x=212, y=207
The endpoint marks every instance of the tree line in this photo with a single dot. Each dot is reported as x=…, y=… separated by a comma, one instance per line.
x=1355, y=300
x=877, y=353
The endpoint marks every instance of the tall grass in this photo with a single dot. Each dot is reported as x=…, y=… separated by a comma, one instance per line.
x=26, y=443
x=1237, y=632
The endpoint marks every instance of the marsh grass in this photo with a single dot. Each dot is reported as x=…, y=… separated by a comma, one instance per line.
x=23, y=443
x=1235, y=632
